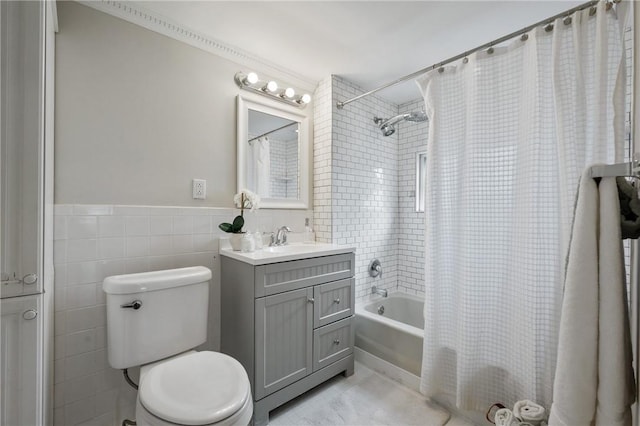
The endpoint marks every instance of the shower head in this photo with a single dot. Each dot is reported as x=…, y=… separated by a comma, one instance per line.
x=387, y=126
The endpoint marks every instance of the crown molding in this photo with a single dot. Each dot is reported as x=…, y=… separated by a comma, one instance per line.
x=136, y=14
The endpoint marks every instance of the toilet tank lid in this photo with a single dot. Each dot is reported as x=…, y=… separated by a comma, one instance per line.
x=156, y=280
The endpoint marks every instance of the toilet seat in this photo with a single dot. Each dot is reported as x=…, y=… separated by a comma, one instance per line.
x=197, y=388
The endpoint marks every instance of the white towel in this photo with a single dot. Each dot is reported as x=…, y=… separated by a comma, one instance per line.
x=616, y=387
x=582, y=379
x=505, y=417
x=529, y=412
x=576, y=378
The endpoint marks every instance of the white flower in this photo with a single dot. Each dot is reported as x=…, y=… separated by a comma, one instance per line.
x=251, y=200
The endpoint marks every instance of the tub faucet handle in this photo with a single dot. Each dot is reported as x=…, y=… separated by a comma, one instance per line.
x=375, y=268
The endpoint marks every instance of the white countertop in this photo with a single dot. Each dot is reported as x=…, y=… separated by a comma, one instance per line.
x=294, y=251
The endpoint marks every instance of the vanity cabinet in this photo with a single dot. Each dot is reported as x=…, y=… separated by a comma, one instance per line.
x=289, y=323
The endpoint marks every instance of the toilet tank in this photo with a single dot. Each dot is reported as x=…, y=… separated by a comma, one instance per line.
x=171, y=318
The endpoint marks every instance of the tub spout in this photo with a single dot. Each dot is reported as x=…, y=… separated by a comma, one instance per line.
x=378, y=291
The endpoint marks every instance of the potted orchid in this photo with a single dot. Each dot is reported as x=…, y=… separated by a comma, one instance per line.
x=244, y=199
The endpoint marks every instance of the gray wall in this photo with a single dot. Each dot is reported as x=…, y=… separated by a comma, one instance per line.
x=138, y=115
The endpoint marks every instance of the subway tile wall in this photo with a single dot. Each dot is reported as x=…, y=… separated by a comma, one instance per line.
x=364, y=185
x=322, y=125
x=412, y=139
x=95, y=241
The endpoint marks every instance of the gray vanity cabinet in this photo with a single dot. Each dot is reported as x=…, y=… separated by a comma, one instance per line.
x=290, y=324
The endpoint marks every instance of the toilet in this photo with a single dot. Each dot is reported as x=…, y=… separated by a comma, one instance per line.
x=155, y=320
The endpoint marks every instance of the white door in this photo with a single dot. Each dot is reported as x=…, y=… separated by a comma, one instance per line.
x=20, y=385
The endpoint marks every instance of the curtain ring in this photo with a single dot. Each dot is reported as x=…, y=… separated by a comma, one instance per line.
x=548, y=28
x=524, y=37
x=490, y=50
x=441, y=69
x=567, y=20
x=592, y=11
x=608, y=6
x=465, y=60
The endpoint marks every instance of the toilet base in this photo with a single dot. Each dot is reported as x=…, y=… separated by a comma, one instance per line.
x=241, y=417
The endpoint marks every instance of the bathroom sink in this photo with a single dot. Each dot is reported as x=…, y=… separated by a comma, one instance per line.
x=289, y=248
x=285, y=253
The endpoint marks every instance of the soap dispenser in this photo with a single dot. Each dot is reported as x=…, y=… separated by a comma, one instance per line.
x=309, y=235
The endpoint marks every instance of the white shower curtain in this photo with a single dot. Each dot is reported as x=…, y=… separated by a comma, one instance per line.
x=509, y=134
x=259, y=167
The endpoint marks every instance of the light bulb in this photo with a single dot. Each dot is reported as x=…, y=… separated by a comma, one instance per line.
x=306, y=98
x=252, y=78
x=289, y=93
x=271, y=86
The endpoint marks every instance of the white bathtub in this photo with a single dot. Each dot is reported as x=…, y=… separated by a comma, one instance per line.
x=396, y=335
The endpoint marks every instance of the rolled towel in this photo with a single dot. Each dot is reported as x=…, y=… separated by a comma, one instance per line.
x=530, y=412
x=505, y=417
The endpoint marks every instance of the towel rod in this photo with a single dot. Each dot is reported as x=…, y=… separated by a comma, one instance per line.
x=630, y=169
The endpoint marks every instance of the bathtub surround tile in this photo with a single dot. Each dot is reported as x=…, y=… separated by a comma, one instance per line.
x=411, y=253
x=95, y=242
x=356, y=181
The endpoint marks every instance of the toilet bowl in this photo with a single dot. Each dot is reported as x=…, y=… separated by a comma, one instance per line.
x=194, y=388
x=155, y=320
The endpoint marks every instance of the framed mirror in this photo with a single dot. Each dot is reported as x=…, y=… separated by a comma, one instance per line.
x=273, y=153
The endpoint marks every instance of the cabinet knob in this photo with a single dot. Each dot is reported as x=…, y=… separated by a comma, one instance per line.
x=310, y=300
x=336, y=342
x=336, y=300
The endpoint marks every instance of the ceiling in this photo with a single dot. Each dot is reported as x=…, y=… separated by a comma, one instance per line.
x=367, y=42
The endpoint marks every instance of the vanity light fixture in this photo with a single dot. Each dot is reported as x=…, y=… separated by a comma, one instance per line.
x=252, y=82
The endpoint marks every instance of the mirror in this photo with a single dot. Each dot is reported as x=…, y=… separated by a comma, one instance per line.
x=273, y=153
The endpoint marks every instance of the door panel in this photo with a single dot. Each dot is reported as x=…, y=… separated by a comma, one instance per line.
x=19, y=348
x=284, y=324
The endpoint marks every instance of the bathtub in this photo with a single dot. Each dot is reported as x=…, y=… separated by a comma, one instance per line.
x=396, y=335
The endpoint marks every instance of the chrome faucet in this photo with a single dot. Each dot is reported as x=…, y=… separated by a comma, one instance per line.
x=379, y=291
x=280, y=238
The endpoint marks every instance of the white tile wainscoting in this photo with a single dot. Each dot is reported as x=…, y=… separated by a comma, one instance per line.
x=95, y=241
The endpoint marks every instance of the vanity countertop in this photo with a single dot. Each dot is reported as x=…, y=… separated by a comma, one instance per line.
x=295, y=251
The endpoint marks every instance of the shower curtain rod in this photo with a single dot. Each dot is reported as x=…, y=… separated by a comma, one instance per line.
x=272, y=131
x=489, y=45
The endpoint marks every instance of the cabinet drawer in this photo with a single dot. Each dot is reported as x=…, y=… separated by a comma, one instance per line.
x=333, y=301
x=332, y=342
x=284, y=276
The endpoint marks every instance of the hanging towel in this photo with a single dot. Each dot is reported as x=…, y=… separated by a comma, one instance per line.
x=593, y=366
x=530, y=412
x=616, y=387
x=505, y=417
x=576, y=379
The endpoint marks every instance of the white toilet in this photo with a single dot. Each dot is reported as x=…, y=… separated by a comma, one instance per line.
x=155, y=320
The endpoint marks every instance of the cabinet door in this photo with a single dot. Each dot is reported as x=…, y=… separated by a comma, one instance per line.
x=284, y=334
x=20, y=336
